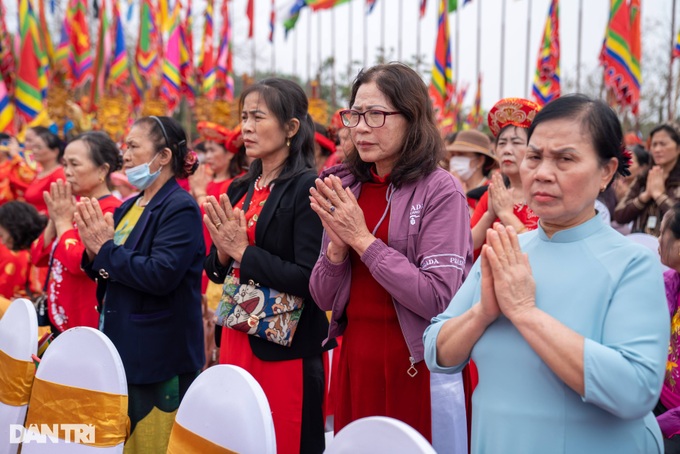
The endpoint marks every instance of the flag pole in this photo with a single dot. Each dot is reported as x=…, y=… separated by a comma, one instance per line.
x=350, y=38
x=479, y=37
x=365, y=39
x=670, y=66
x=420, y=19
x=295, y=50
x=309, y=47
x=253, y=50
x=401, y=23
x=527, y=57
x=333, y=101
x=578, y=46
x=319, y=52
x=457, y=64
x=500, y=91
x=273, y=47
x=382, y=29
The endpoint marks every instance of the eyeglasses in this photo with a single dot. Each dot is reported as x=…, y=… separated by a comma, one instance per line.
x=373, y=118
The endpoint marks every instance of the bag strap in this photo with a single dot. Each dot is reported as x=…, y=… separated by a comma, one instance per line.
x=49, y=266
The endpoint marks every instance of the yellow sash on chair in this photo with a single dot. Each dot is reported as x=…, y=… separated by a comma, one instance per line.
x=16, y=378
x=182, y=440
x=55, y=404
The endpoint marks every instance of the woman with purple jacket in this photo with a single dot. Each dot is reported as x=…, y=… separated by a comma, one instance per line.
x=396, y=248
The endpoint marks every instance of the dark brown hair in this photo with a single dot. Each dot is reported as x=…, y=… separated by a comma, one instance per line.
x=423, y=147
x=166, y=132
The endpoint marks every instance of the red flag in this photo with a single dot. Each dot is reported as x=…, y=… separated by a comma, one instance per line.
x=423, y=7
x=250, y=12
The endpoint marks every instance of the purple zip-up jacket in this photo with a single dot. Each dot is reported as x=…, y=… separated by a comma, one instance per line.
x=428, y=255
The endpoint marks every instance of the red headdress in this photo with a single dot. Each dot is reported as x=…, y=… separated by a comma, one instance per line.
x=518, y=112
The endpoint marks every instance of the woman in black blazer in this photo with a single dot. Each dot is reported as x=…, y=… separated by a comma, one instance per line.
x=275, y=243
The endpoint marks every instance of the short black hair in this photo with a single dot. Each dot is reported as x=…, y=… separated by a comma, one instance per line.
x=598, y=121
x=103, y=150
x=52, y=141
x=23, y=223
x=673, y=220
x=166, y=132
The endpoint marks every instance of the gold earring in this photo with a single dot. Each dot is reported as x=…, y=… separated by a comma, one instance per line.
x=288, y=141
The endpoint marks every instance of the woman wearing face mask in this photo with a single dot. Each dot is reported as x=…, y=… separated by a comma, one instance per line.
x=471, y=161
x=89, y=161
x=508, y=120
x=147, y=259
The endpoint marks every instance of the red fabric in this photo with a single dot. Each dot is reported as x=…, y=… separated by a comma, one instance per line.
x=214, y=189
x=470, y=379
x=71, y=294
x=15, y=176
x=523, y=213
x=183, y=183
x=333, y=386
x=280, y=380
x=374, y=359
x=34, y=191
x=14, y=269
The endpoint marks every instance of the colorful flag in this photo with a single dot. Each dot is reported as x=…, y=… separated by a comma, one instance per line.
x=475, y=116
x=676, y=48
x=148, y=41
x=7, y=60
x=119, y=74
x=45, y=39
x=101, y=66
x=325, y=4
x=170, y=82
x=250, y=12
x=6, y=110
x=63, y=49
x=546, y=85
x=272, y=21
x=621, y=73
x=453, y=4
x=224, y=75
x=293, y=15
x=206, y=64
x=31, y=80
x=441, y=83
x=187, y=71
x=370, y=5
x=423, y=7
x=636, y=42
x=80, y=58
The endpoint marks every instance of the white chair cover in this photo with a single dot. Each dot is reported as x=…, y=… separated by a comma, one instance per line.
x=378, y=435
x=85, y=358
x=227, y=406
x=18, y=339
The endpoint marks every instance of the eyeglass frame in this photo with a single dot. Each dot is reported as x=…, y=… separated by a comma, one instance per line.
x=363, y=114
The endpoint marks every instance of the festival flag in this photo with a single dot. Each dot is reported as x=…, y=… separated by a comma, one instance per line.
x=457, y=107
x=206, y=64
x=370, y=5
x=6, y=110
x=250, y=12
x=441, y=83
x=119, y=74
x=423, y=7
x=293, y=15
x=148, y=41
x=676, y=48
x=621, y=73
x=187, y=71
x=546, y=85
x=325, y=4
x=45, y=39
x=31, y=79
x=475, y=116
x=636, y=42
x=61, y=55
x=272, y=21
x=453, y=4
x=101, y=66
x=224, y=75
x=164, y=19
x=170, y=82
x=7, y=60
x=137, y=87
x=80, y=59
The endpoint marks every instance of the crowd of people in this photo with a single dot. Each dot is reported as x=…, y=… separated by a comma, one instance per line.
x=480, y=288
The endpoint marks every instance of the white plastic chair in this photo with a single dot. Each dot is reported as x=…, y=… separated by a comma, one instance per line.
x=85, y=358
x=19, y=340
x=226, y=406
x=378, y=435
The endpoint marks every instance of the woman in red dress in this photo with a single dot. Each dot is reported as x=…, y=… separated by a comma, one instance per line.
x=89, y=161
x=274, y=241
x=396, y=248
x=508, y=120
x=47, y=150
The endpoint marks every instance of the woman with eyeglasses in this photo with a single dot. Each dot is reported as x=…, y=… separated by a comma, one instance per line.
x=396, y=247
x=147, y=259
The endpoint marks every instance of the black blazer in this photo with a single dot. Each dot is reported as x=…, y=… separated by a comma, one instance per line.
x=288, y=241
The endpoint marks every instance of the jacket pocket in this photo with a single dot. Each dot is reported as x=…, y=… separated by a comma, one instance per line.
x=150, y=318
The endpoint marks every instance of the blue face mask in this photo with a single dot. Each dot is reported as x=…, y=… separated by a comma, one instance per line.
x=141, y=177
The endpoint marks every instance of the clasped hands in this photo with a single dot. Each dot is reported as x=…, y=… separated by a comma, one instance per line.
x=507, y=285
x=341, y=216
x=94, y=227
x=227, y=228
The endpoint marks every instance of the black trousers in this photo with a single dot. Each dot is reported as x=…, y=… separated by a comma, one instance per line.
x=671, y=445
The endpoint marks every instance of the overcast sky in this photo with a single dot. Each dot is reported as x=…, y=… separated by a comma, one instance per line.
x=313, y=39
